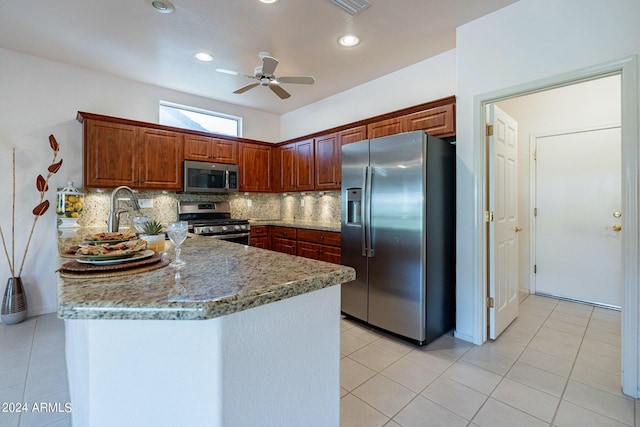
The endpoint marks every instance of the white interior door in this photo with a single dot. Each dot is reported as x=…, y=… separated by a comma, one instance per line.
x=578, y=237
x=503, y=228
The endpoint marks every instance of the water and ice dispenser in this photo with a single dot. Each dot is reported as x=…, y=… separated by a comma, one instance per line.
x=354, y=206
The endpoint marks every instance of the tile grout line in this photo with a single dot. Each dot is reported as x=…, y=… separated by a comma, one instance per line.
x=26, y=377
x=509, y=370
x=573, y=365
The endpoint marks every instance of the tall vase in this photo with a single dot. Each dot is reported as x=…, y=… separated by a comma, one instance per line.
x=14, y=302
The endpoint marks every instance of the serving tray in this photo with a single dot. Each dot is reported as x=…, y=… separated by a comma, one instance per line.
x=74, y=269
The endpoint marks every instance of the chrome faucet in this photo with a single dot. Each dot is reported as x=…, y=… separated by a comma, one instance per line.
x=115, y=210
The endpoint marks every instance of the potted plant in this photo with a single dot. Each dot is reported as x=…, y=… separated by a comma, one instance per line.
x=14, y=301
x=153, y=235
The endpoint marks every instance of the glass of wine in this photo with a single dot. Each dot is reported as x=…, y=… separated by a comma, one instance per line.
x=177, y=232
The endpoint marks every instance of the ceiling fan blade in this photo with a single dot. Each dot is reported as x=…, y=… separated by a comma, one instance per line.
x=301, y=80
x=222, y=70
x=269, y=65
x=234, y=73
x=278, y=90
x=243, y=89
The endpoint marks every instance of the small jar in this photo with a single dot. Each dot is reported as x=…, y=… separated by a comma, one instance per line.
x=69, y=206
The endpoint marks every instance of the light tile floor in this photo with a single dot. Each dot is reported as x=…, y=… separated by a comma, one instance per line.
x=557, y=364
x=33, y=371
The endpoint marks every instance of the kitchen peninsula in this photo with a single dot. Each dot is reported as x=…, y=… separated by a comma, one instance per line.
x=241, y=336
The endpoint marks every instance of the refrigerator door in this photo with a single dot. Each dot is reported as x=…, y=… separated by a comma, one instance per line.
x=397, y=258
x=355, y=160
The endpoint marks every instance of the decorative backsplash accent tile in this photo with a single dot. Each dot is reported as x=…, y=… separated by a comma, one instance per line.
x=313, y=207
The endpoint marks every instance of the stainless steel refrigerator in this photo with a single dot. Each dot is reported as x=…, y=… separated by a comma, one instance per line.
x=398, y=232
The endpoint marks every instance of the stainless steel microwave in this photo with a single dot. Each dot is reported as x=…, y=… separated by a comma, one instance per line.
x=205, y=177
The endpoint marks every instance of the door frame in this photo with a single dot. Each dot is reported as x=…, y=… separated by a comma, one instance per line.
x=533, y=176
x=627, y=68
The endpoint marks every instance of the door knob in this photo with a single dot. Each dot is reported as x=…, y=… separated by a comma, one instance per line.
x=517, y=229
x=616, y=227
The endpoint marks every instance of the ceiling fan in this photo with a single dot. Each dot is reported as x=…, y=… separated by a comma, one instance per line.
x=265, y=77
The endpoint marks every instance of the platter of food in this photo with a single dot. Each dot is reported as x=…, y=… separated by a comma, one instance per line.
x=109, y=238
x=111, y=251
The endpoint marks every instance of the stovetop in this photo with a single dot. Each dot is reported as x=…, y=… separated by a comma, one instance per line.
x=211, y=218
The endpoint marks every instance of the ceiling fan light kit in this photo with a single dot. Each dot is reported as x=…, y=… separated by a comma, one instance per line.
x=264, y=74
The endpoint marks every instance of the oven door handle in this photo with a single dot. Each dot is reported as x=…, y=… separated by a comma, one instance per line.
x=229, y=236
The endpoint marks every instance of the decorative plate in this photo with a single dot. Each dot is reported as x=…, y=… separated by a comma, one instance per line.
x=113, y=259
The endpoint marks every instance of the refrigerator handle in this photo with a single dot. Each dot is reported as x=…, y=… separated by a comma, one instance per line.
x=369, y=183
x=365, y=218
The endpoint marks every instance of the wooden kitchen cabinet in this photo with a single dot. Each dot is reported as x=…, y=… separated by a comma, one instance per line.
x=161, y=154
x=283, y=239
x=297, y=166
x=387, y=127
x=208, y=149
x=119, y=154
x=255, y=167
x=437, y=121
x=261, y=237
x=320, y=245
x=355, y=134
x=328, y=163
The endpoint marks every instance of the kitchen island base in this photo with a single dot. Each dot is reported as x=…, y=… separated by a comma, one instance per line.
x=273, y=365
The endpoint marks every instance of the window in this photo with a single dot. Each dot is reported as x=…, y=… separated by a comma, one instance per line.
x=185, y=117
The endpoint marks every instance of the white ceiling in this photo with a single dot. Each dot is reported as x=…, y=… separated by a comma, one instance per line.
x=130, y=39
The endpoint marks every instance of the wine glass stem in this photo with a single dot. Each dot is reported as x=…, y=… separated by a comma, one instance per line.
x=178, y=250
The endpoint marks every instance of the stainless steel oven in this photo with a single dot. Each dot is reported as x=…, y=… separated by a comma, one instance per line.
x=213, y=219
x=242, y=238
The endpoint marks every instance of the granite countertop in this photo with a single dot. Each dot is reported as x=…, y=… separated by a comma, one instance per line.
x=219, y=278
x=323, y=226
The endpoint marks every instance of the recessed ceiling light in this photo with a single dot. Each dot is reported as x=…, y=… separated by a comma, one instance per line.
x=204, y=56
x=268, y=1
x=162, y=6
x=348, y=40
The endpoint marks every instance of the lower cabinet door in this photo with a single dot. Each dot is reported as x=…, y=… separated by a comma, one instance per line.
x=286, y=246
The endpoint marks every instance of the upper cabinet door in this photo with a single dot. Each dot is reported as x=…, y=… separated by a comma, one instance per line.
x=355, y=134
x=286, y=155
x=197, y=148
x=255, y=167
x=387, y=127
x=304, y=165
x=161, y=154
x=110, y=154
x=327, y=165
x=223, y=151
x=437, y=121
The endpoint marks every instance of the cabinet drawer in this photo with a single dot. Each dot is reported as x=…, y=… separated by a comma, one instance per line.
x=283, y=232
x=317, y=236
x=319, y=252
x=259, y=231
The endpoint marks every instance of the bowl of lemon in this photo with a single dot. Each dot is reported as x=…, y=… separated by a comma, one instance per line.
x=69, y=206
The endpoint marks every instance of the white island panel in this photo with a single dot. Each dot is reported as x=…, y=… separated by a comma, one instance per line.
x=273, y=365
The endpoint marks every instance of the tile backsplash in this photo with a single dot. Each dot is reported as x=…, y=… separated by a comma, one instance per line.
x=323, y=207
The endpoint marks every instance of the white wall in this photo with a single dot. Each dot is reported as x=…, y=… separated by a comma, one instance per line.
x=579, y=106
x=526, y=41
x=428, y=80
x=40, y=97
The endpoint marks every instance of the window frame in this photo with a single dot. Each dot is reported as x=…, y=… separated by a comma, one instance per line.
x=192, y=109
